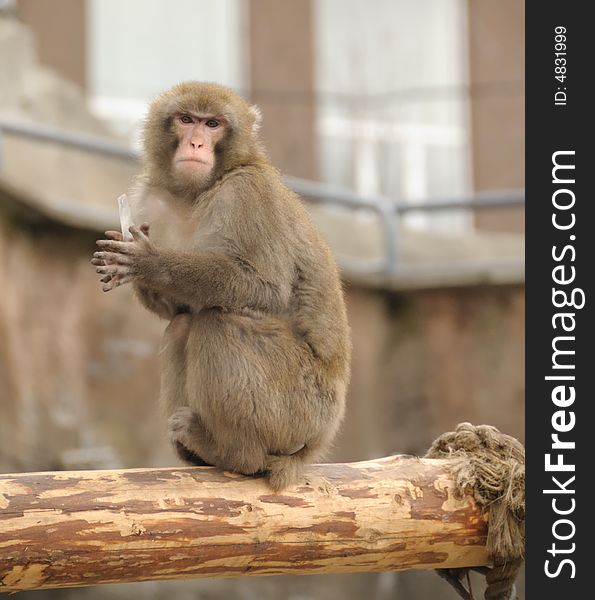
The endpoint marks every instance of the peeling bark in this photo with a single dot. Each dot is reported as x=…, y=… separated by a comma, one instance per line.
x=78, y=528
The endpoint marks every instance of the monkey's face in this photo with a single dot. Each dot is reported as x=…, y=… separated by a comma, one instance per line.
x=198, y=135
x=196, y=132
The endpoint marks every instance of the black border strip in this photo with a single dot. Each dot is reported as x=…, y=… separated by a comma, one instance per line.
x=558, y=124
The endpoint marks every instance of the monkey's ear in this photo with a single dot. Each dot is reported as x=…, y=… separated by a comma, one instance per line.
x=257, y=115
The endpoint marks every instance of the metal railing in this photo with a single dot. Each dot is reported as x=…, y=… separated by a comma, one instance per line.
x=387, y=210
x=80, y=141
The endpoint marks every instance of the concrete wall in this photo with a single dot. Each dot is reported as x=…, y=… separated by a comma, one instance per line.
x=79, y=367
x=426, y=360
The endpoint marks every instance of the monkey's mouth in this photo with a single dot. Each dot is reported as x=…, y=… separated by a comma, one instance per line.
x=193, y=166
x=196, y=160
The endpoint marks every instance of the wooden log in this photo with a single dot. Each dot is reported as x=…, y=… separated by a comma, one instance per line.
x=78, y=528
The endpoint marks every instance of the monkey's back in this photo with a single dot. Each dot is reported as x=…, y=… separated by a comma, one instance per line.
x=317, y=305
x=296, y=353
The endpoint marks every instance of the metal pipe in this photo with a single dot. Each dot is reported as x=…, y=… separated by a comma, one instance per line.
x=387, y=210
x=81, y=141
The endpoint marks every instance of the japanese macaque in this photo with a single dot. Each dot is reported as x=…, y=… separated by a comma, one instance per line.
x=256, y=354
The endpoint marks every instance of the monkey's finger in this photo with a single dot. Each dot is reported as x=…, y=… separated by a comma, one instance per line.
x=108, y=278
x=145, y=228
x=106, y=269
x=98, y=262
x=112, y=257
x=138, y=234
x=115, y=246
x=117, y=283
x=114, y=235
x=109, y=286
x=111, y=283
x=113, y=270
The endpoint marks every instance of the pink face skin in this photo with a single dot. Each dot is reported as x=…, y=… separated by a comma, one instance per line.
x=198, y=135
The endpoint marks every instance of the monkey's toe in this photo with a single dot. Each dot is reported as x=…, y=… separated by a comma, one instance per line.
x=190, y=457
x=181, y=420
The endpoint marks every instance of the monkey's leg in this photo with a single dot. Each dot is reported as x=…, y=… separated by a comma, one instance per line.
x=190, y=457
x=191, y=439
x=174, y=394
x=233, y=450
x=265, y=405
x=174, y=363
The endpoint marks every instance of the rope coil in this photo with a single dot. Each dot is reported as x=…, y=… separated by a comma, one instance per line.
x=492, y=469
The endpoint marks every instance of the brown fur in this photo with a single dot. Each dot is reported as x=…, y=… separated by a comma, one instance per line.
x=256, y=355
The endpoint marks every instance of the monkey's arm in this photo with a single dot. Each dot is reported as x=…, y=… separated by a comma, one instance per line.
x=197, y=280
x=212, y=279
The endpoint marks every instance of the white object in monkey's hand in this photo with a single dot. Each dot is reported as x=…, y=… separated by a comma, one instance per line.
x=125, y=217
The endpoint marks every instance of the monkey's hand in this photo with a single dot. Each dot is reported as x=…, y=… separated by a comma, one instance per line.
x=122, y=261
x=110, y=280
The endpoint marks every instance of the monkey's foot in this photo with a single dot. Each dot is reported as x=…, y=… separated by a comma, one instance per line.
x=190, y=457
x=189, y=437
x=181, y=422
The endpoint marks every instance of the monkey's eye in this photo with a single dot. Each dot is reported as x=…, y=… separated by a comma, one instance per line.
x=212, y=123
x=186, y=119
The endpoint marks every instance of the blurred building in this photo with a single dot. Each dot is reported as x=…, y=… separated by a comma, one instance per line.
x=402, y=100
